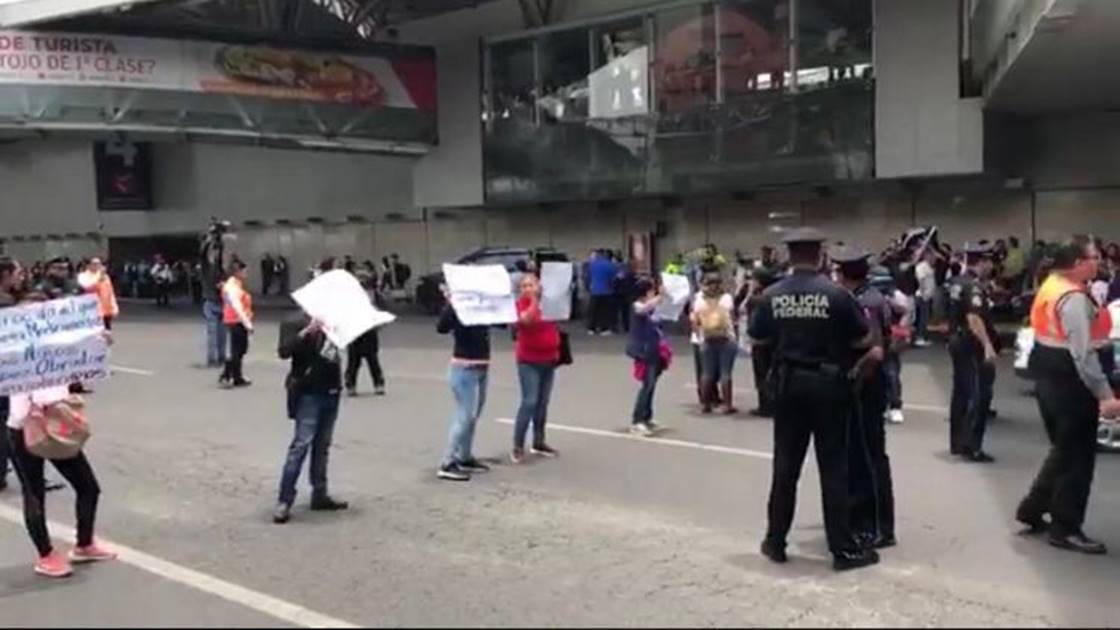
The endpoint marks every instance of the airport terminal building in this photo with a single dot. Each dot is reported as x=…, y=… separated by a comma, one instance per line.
x=430, y=128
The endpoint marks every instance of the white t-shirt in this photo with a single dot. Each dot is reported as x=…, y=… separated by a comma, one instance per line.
x=20, y=404
x=700, y=302
x=927, y=280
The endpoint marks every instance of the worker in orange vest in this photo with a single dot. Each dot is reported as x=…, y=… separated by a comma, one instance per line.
x=94, y=280
x=1070, y=330
x=237, y=315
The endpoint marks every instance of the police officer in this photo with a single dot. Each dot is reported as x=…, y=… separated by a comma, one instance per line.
x=973, y=349
x=870, y=486
x=1070, y=328
x=813, y=325
x=762, y=356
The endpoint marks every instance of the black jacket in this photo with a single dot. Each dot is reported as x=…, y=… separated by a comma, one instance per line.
x=471, y=342
x=311, y=372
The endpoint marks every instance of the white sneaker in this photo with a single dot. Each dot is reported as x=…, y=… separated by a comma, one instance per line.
x=606, y=333
x=921, y=343
x=894, y=416
x=642, y=429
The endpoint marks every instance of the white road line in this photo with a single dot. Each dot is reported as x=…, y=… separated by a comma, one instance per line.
x=905, y=405
x=127, y=370
x=727, y=450
x=259, y=602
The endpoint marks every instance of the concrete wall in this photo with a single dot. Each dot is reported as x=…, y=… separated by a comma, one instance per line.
x=922, y=127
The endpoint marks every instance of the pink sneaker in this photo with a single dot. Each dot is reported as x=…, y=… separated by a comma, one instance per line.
x=54, y=565
x=92, y=553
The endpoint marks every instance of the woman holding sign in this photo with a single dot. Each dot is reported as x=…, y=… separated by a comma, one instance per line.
x=538, y=353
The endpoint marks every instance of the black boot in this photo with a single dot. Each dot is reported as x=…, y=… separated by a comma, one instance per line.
x=855, y=559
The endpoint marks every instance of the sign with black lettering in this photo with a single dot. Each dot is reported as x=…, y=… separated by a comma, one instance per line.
x=124, y=175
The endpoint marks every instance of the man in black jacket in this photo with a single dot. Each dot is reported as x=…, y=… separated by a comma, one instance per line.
x=314, y=385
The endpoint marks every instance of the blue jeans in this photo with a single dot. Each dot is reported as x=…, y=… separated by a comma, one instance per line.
x=536, y=390
x=718, y=359
x=215, y=334
x=643, y=406
x=468, y=384
x=315, y=419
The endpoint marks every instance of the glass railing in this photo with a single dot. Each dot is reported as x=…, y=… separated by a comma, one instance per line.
x=824, y=133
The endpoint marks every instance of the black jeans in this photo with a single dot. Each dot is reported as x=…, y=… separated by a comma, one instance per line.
x=811, y=404
x=762, y=357
x=4, y=456
x=163, y=291
x=364, y=348
x=238, y=347
x=1071, y=415
x=870, y=486
x=973, y=380
x=623, y=307
x=77, y=472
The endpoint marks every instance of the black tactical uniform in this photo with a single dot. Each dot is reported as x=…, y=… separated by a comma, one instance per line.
x=973, y=377
x=762, y=355
x=812, y=325
x=870, y=487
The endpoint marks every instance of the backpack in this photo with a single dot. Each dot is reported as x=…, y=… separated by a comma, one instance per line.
x=714, y=321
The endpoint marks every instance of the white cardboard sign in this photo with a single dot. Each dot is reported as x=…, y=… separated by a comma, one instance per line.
x=337, y=299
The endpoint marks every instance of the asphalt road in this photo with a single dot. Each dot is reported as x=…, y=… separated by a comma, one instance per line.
x=617, y=531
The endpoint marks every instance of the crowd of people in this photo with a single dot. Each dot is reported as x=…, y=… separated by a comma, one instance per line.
x=825, y=329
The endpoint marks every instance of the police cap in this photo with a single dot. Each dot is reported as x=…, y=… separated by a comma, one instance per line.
x=979, y=250
x=805, y=235
x=850, y=255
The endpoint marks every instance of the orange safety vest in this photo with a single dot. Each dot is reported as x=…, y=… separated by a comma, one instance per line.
x=102, y=287
x=237, y=289
x=1047, y=325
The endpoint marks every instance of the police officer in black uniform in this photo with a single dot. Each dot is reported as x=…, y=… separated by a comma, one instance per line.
x=973, y=349
x=762, y=355
x=814, y=327
x=871, y=498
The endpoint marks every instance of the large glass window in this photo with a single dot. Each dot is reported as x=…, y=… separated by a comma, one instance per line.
x=696, y=98
x=565, y=64
x=685, y=66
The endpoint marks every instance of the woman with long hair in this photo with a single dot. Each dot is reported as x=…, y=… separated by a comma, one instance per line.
x=30, y=467
x=538, y=353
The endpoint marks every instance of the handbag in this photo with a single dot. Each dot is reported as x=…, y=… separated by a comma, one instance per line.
x=58, y=430
x=565, y=350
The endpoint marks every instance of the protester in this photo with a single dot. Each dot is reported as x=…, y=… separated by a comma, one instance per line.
x=713, y=320
x=282, y=272
x=314, y=387
x=94, y=280
x=601, y=274
x=538, y=352
x=468, y=375
x=162, y=278
x=12, y=285
x=268, y=270
x=364, y=348
x=625, y=292
x=650, y=351
x=927, y=291
x=237, y=315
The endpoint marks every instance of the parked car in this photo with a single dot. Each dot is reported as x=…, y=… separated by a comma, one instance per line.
x=514, y=259
x=1109, y=435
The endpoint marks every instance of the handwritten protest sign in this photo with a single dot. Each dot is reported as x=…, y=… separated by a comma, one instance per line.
x=556, y=291
x=482, y=295
x=47, y=344
x=675, y=292
x=337, y=299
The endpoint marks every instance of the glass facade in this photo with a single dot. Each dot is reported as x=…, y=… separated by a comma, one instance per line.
x=691, y=98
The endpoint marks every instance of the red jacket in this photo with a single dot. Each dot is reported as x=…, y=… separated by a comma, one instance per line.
x=537, y=341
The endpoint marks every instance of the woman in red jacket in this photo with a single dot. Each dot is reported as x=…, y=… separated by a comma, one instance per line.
x=538, y=352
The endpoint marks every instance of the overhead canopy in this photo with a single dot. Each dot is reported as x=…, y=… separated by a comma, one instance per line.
x=27, y=12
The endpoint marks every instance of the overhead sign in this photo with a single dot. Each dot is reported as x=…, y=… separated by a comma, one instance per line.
x=47, y=344
x=370, y=81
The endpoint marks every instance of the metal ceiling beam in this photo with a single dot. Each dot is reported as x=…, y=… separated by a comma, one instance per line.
x=27, y=12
